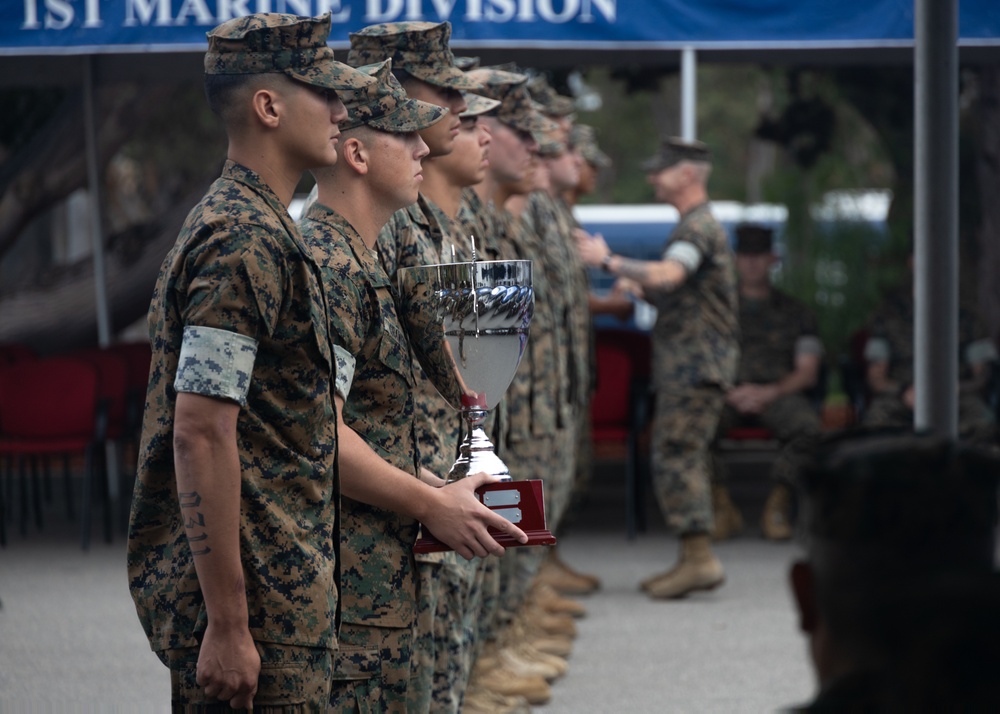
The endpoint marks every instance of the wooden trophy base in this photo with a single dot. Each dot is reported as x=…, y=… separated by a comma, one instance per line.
x=520, y=502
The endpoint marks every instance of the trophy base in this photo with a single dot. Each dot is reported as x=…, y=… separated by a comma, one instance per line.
x=520, y=502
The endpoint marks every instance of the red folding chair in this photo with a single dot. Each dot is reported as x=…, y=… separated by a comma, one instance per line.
x=620, y=408
x=13, y=352
x=48, y=407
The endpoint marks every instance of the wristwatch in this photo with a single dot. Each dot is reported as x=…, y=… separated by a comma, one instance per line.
x=606, y=262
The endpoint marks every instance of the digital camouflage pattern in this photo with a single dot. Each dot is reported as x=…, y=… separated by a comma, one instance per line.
x=695, y=355
x=384, y=105
x=215, y=363
x=892, y=323
x=274, y=43
x=770, y=332
x=378, y=580
x=420, y=235
x=684, y=422
x=240, y=265
x=696, y=335
x=549, y=101
x=516, y=109
x=420, y=48
x=673, y=150
x=582, y=337
x=584, y=138
x=291, y=679
x=793, y=420
x=476, y=220
x=363, y=683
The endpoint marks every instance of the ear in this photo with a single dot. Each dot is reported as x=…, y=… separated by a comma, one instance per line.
x=267, y=106
x=802, y=579
x=354, y=153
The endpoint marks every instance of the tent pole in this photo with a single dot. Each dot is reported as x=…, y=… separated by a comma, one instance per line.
x=689, y=94
x=935, y=327
x=97, y=250
x=94, y=191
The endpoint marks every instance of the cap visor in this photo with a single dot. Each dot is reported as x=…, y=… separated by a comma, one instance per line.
x=477, y=105
x=411, y=115
x=331, y=74
x=448, y=77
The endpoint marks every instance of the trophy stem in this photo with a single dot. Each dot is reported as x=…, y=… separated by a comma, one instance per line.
x=476, y=454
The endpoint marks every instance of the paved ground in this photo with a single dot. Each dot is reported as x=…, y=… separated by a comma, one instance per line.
x=69, y=638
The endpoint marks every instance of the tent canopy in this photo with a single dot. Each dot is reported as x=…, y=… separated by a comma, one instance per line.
x=545, y=32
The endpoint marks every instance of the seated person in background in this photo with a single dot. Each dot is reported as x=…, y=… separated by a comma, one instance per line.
x=780, y=356
x=899, y=574
x=889, y=357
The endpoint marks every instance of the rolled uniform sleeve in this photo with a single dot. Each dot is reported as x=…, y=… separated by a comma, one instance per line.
x=346, y=364
x=685, y=253
x=233, y=300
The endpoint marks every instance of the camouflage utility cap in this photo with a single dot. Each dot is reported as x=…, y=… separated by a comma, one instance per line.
x=515, y=108
x=476, y=105
x=273, y=43
x=673, y=150
x=584, y=138
x=550, y=103
x=420, y=48
x=466, y=63
x=551, y=144
x=384, y=105
x=753, y=239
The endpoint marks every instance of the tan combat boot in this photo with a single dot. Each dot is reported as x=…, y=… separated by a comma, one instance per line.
x=698, y=569
x=728, y=521
x=479, y=700
x=547, y=598
x=501, y=681
x=775, y=521
x=565, y=579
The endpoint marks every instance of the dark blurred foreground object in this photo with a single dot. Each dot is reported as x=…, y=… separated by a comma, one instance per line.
x=899, y=574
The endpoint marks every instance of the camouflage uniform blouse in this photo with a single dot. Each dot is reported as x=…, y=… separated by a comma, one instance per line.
x=375, y=378
x=543, y=222
x=696, y=335
x=771, y=330
x=240, y=266
x=415, y=236
x=893, y=326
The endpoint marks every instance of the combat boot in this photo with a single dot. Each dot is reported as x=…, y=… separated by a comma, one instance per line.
x=479, y=700
x=698, y=569
x=546, y=597
x=728, y=521
x=564, y=579
x=504, y=682
x=775, y=521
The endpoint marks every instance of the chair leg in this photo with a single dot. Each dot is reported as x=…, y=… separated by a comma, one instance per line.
x=37, y=488
x=23, y=468
x=47, y=478
x=5, y=475
x=68, y=487
x=630, y=485
x=87, y=498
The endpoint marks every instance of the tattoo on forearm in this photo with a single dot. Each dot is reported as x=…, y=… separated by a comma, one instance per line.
x=639, y=271
x=194, y=522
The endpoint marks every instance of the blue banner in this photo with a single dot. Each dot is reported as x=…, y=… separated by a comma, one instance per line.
x=34, y=27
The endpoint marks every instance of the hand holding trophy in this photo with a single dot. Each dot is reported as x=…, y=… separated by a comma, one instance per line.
x=468, y=325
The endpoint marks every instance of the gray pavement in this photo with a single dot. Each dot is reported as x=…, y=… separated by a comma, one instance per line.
x=69, y=637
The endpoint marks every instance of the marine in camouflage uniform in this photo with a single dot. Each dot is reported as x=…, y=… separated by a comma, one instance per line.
x=414, y=236
x=375, y=384
x=780, y=355
x=890, y=349
x=695, y=355
x=238, y=328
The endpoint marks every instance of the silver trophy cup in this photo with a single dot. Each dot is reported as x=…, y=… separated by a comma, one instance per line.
x=468, y=325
